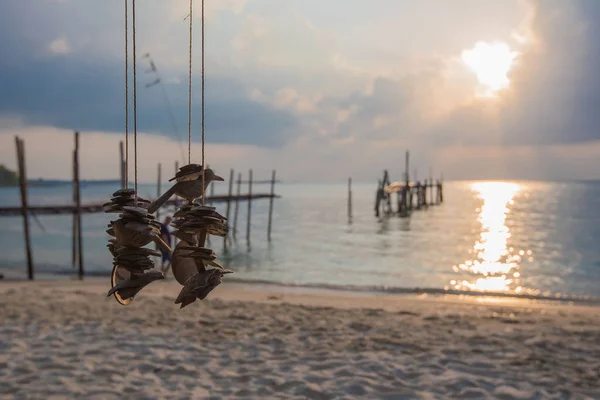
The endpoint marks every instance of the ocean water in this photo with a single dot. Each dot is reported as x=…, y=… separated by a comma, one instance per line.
x=517, y=238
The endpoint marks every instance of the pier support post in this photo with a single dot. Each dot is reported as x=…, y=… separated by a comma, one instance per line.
x=158, y=181
x=176, y=169
x=237, y=204
x=74, y=214
x=158, y=192
x=271, y=206
x=349, y=200
x=78, y=206
x=228, y=207
x=378, y=198
x=24, y=204
x=249, y=207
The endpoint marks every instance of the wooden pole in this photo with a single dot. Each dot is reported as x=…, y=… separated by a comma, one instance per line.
x=228, y=206
x=271, y=206
x=177, y=169
x=388, y=197
x=78, y=207
x=406, y=178
x=349, y=200
x=212, y=188
x=24, y=203
x=237, y=204
x=122, y=163
x=158, y=184
x=430, y=186
x=431, y=200
x=74, y=215
x=248, y=225
x=378, y=198
x=442, y=188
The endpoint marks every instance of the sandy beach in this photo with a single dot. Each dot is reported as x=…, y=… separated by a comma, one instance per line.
x=66, y=339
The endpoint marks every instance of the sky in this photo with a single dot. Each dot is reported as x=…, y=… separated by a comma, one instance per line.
x=319, y=90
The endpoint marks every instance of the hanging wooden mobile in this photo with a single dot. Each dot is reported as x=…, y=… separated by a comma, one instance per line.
x=194, y=266
x=135, y=227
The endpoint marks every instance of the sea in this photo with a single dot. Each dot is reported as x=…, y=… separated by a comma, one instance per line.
x=518, y=238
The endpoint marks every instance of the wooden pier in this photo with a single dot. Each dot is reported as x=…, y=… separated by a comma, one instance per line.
x=97, y=207
x=76, y=209
x=410, y=195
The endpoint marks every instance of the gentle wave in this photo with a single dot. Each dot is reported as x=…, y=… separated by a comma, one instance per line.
x=589, y=300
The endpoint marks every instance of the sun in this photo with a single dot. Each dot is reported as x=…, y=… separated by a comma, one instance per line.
x=491, y=62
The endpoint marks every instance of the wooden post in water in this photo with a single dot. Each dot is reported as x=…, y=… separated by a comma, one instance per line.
x=176, y=169
x=430, y=184
x=74, y=215
x=405, y=194
x=424, y=188
x=413, y=190
x=212, y=188
x=78, y=207
x=378, y=199
x=24, y=203
x=249, y=207
x=388, y=196
x=237, y=204
x=349, y=200
x=442, y=189
x=158, y=184
x=271, y=206
x=228, y=207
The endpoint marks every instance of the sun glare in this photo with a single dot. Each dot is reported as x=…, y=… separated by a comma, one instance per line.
x=491, y=63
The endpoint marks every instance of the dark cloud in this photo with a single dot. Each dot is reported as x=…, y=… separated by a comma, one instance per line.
x=83, y=91
x=557, y=87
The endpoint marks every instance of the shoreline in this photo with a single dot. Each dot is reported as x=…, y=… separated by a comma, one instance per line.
x=70, y=275
x=274, y=293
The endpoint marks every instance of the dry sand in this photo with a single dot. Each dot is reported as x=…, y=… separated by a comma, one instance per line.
x=65, y=339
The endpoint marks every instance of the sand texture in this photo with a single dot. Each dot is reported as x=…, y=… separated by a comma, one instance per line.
x=67, y=340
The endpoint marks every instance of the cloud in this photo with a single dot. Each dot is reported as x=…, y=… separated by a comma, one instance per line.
x=59, y=46
x=86, y=95
x=284, y=84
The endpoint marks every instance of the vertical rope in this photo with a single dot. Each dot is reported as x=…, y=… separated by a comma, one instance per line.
x=190, y=90
x=134, y=109
x=203, y=162
x=126, y=100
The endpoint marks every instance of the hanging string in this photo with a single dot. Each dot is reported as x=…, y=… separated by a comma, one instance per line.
x=190, y=91
x=203, y=163
x=126, y=183
x=134, y=109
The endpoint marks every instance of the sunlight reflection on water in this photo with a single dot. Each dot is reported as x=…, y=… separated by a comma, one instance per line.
x=495, y=265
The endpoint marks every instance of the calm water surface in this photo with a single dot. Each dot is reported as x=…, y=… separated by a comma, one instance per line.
x=529, y=238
